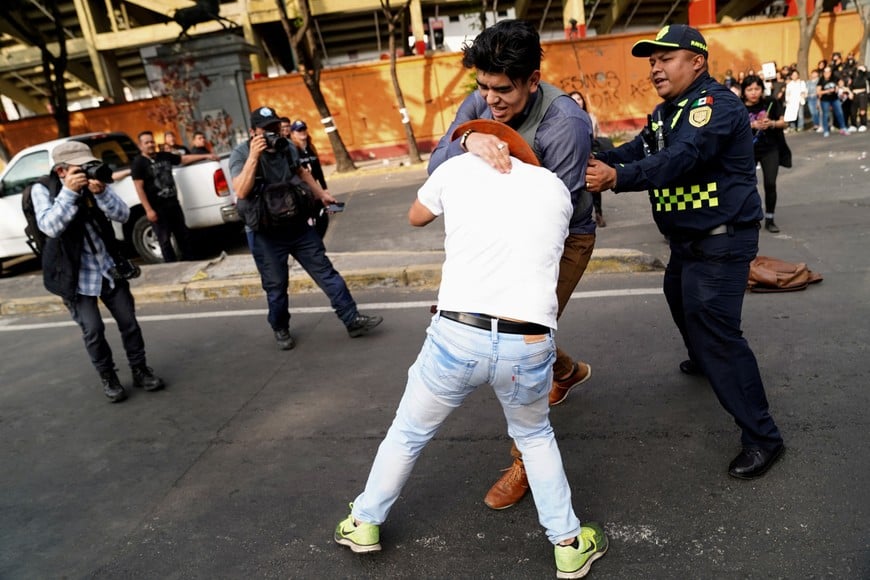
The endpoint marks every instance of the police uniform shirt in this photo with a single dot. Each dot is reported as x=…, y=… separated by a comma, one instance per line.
x=704, y=174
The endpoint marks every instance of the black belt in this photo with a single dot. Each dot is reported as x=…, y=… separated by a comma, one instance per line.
x=484, y=321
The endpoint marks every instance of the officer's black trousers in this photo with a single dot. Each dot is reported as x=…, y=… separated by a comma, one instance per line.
x=704, y=284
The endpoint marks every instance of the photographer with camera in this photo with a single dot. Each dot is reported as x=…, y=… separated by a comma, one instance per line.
x=266, y=172
x=152, y=176
x=81, y=261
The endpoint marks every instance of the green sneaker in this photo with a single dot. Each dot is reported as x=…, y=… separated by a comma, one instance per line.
x=360, y=538
x=575, y=560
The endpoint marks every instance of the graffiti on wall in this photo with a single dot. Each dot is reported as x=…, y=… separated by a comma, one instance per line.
x=605, y=90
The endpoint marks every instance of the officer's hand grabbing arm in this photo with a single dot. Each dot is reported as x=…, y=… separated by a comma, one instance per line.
x=599, y=176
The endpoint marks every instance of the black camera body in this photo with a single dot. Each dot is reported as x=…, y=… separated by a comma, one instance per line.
x=276, y=142
x=124, y=269
x=99, y=171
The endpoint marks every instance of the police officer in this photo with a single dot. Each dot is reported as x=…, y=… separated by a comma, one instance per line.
x=695, y=158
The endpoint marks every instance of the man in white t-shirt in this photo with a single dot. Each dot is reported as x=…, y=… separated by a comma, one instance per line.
x=496, y=318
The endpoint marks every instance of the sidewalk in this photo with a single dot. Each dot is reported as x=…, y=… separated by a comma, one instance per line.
x=372, y=246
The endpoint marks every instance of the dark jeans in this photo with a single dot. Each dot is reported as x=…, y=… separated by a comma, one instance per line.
x=704, y=285
x=170, y=220
x=271, y=251
x=769, y=170
x=86, y=312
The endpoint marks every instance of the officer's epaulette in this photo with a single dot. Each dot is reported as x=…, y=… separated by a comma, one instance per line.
x=708, y=100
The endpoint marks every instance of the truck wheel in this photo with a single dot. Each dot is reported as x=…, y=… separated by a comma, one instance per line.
x=145, y=242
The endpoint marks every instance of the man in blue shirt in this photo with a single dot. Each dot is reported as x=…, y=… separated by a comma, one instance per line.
x=696, y=160
x=78, y=263
x=507, y=61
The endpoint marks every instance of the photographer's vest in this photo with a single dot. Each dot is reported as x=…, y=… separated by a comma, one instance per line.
x=62, y=256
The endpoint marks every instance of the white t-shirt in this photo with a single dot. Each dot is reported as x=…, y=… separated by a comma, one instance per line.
x=504, y=237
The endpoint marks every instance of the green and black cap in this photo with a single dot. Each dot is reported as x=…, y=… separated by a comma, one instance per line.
x=672, y=37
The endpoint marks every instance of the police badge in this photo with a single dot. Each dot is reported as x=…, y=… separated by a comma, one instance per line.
x=700, y=116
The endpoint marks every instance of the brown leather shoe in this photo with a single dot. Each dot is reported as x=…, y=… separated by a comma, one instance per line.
x=509, y=489
x=560, y=390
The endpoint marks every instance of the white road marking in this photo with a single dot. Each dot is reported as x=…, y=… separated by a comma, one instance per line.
x=9, y=325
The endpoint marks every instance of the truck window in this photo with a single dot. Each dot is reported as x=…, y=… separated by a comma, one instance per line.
x=115, y=150
x=26, y=170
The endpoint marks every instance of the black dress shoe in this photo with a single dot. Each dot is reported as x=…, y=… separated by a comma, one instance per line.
x=753, y=462
x=690, y=367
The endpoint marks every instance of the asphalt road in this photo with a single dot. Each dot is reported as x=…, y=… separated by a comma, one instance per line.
x=244, y=465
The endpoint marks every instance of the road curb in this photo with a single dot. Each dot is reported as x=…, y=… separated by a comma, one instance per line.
x=199, y=288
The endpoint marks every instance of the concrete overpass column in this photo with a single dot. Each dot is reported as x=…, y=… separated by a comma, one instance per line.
x=105, y=69
x=702, y=12
x=417, y=27
x=574, y=19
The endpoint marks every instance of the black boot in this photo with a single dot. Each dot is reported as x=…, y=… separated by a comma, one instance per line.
x=144, y=378
x=112, y=387
x=770, y=226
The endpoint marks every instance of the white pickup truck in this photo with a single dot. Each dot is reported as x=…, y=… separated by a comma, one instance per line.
x=203, y=189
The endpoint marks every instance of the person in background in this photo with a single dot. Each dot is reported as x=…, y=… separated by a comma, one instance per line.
x=695, y=160
x=170, y=145
x=765, y=118
x=199, y=144
x=860, y=87
x=847, y=101
x=79, y=266
x=152, y=177
x=829, y=100
x=309, y=160
x=284, y=129
x=813, y=100
x=837, y=64
x=599, y=143
x=820, y=67
x=795, y=99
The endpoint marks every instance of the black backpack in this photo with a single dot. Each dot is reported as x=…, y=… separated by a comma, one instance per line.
x=35, y=236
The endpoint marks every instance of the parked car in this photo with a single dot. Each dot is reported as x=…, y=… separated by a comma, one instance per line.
x=204, y=191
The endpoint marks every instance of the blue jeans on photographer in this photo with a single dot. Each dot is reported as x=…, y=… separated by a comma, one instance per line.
x=271, y=252
x=454, y=361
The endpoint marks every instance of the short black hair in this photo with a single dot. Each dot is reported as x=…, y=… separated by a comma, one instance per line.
x=752, y=80
x=143, y=133
x=510, y=47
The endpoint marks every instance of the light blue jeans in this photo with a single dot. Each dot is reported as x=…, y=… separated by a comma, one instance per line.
x=454, y=361
x=838, y=114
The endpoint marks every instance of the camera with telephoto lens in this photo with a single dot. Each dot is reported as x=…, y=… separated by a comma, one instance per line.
x=98, y=170
x=275, y=141
x=124, y=270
